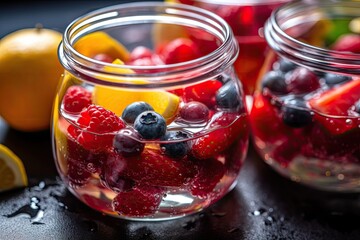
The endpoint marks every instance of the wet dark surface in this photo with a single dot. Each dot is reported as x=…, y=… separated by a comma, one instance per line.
x=262, y=206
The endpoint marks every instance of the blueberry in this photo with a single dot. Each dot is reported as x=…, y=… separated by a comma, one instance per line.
x=286, y=66
x=332, y=79
x=150, y=125
x=176, y=149
x=275, y=82
x=127, y=142
x=357, y=106
x=228, y=96
x=295, y=113
x=133, y=110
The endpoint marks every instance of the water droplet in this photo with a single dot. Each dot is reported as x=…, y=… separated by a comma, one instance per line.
x=31, y=210
x=340, y=176
x=348, y=121
x=258, y=212
x=92, y=226
x=189, y=224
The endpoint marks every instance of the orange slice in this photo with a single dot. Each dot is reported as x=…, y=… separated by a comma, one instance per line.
x=117, y=99
x=12, y=171
x=101, y=43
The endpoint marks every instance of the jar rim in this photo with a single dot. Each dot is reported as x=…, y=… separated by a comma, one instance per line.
x=162, y=75
x=302, y=53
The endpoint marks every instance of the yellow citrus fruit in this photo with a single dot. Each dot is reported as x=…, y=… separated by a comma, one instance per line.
x=29, y=74
x=117, y=99
x=101, y=43
x=12, y=171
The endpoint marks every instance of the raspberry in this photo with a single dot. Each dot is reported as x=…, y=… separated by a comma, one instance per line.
x=76, y=99
x=138, y=202
x=98, y=128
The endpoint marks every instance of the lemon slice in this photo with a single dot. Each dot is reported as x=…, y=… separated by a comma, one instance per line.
x=101, y=43
x=117, y=99
x=12, y=171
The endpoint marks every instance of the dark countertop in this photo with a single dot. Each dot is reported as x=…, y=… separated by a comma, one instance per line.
x=263, y=205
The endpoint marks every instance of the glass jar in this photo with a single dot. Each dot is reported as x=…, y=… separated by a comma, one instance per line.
x=305, y=118
x=148, y=125
x=247, y=19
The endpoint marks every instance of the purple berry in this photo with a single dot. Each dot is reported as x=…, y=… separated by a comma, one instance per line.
x=302, y=80
x=127, y=142
x=111, y=176
x=194, y=112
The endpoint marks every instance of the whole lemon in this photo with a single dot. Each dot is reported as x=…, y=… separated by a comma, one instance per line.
x=29, y=74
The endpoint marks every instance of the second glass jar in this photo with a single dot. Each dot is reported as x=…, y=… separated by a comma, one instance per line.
x=306, y=113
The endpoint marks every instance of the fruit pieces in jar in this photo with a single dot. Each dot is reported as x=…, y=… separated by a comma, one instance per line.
x=132, y=164
x=311, y=114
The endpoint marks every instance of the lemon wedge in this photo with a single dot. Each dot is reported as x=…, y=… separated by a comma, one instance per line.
x=101, y=43
x=12, y=171
x=117, y=99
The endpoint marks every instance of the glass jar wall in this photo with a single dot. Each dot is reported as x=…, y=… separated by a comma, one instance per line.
x=147, y=124
x=305, y=117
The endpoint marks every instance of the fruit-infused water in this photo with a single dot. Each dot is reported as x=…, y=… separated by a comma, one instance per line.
x=310, y=96
x=154, y=127
x=246, y=18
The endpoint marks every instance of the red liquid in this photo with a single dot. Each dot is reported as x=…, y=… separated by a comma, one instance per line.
x=246, y=18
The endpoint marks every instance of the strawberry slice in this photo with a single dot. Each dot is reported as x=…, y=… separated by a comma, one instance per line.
x=264, y=114
x=337, y=102
x=138, y=202
x=210, y=173
x=203, y=92
x=228, y=128
x=347, y=43
x=156, y=169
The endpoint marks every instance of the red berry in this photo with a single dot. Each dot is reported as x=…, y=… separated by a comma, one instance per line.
x=140, y=52
x=210, y=173
x=347, y=43
x=97, y=128
x=139, y=202
x=77, y=173
x=179, y=50
x=204, y=92
x=154, y=168
x=302, y=80
x=90, y=161
x=228, y=128
x=76, y=99
x=195, y=112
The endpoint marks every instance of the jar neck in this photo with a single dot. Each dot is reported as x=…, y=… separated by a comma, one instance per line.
x=198, y=69
x=293, y=16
